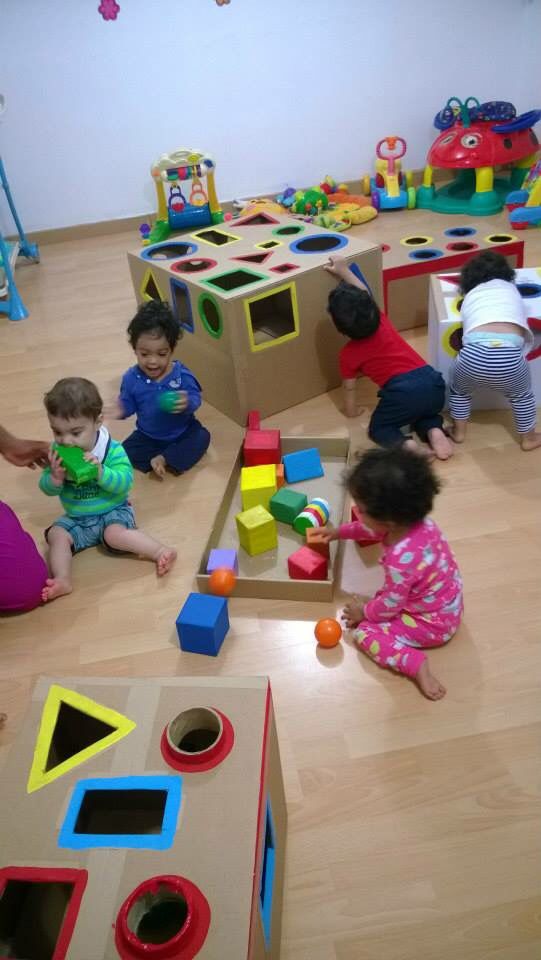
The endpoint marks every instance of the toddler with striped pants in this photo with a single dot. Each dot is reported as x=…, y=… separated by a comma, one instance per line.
x=495, y=341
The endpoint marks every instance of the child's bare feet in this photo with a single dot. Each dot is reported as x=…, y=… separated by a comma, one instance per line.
x=428, y=684
x=419, y=448
x=55, y=588
x=531, y=440
x=165, y=559
x=458, y=430
x=158, y=466
x=440, y=444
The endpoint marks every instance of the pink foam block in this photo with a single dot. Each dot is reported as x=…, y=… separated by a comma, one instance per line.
x=307, y=564
x=260, y=447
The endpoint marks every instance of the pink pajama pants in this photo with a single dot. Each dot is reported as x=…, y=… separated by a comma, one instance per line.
x=23, y=570
x=399, y=643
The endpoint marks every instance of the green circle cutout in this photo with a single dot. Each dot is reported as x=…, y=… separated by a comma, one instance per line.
x=210, y=315
x=288, y=230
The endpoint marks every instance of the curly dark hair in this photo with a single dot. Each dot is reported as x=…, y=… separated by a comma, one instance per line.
x=394, y=484
x=353, y=311
x=74, y=397
x=486, y=266
x=156, y=318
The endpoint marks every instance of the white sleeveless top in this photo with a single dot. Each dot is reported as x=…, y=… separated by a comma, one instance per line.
x=497, y=301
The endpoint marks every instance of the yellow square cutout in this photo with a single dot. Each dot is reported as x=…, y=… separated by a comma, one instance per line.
x=272, y=317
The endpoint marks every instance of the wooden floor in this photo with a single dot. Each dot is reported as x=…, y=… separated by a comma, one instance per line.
x=414, y=826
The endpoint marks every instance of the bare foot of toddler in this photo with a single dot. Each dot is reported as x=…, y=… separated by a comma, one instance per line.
x=531, y=440
x=458, y=430
x=158, y=466
x=165, y=559
x=55, y=588
x=428, y=684
x=440, y=444
x=419, y=448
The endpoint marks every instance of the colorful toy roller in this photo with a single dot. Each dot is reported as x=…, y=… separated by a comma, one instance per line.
x=315, y=514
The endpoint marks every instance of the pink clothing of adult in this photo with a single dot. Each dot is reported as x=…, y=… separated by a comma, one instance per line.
x=420, y=604
x=23, y=571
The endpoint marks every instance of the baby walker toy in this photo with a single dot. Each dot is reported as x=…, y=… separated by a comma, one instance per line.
x=474, y=139
x=390, y=189
x=525, y=205
x=183, y=208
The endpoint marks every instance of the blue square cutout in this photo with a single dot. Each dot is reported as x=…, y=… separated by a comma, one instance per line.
x=148, y=805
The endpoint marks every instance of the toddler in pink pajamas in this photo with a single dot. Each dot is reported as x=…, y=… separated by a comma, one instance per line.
x=420, y=604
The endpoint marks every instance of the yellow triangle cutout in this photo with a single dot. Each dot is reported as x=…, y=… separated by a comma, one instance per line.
x=73, y=729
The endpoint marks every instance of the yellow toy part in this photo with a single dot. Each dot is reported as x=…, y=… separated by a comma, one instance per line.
x=73, y=729
x=261, y=205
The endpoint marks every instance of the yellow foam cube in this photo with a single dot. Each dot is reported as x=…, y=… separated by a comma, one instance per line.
x=257, y=530
x=257, y=485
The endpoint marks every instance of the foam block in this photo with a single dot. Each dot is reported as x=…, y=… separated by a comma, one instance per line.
x=261, y=446
x=219, y=559
x=307, y=564
x=314, y=541
x=202, y=624
x=280, y=478
x=257, y=485
x=302, y=465
x=257, y=530
x=286, y=504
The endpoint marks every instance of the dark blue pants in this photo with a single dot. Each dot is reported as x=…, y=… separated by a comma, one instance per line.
x=179, y=455
x=412, y=399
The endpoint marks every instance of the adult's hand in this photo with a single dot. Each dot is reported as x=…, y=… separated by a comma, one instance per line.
x=23, y=453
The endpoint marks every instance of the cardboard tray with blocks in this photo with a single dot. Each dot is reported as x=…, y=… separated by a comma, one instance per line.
x=144, y=819
x=266, y=575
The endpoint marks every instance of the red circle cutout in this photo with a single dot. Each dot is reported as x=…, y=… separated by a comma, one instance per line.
x=201, y=760
x=186, y=942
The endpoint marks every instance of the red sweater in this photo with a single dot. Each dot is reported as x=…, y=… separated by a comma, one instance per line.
x=379, y=357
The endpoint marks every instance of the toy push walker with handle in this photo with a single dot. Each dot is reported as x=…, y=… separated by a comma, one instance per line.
x=390, y=189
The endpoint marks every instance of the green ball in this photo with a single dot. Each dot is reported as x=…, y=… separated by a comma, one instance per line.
x=167, y=401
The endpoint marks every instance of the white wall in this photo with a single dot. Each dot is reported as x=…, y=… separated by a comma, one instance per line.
x=280, y=91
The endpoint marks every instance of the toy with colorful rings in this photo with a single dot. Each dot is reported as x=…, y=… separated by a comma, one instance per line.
x=315, y=514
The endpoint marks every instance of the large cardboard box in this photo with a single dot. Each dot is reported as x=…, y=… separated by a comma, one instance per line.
x=252, y=299
x=445, y=330
x=410, y=257
x=154, y=813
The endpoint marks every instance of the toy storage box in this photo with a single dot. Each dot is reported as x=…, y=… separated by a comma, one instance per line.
x=61, y=895
x=252, y=299
x=267, y=575
x=445, y=330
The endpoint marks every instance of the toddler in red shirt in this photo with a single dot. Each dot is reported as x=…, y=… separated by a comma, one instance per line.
x=411, y=393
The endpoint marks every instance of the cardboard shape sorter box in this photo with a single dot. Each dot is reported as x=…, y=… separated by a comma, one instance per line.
x=266, y=575
x=445, y=330
x=154, y=813
x=251, y=296
x=411, y=256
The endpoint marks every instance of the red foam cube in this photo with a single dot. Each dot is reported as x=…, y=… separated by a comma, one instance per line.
x=307, y=564
x=261, y=447
x=369, y=538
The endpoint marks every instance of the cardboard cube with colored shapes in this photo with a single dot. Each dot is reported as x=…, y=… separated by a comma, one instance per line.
x=286, y=504
x=302, y=465
x=307, y=564
x=202, y=624
x=257, y=485
x=172, y=812
x=257, y=530
x=223, y=560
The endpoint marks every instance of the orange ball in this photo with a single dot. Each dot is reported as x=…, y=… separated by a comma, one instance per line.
x=328, y=632
x=222, y=581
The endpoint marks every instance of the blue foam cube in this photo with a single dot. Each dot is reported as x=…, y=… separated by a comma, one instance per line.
x=202, y=624
x=302, y=465
x=223, y=559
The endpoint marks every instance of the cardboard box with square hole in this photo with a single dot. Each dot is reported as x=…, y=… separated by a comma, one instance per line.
x=252, y=297
x=141, y=819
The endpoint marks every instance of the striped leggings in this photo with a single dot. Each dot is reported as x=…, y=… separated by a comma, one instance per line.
x=504, y=369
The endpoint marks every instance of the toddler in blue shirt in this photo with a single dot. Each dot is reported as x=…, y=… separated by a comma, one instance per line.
x=167, y=434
